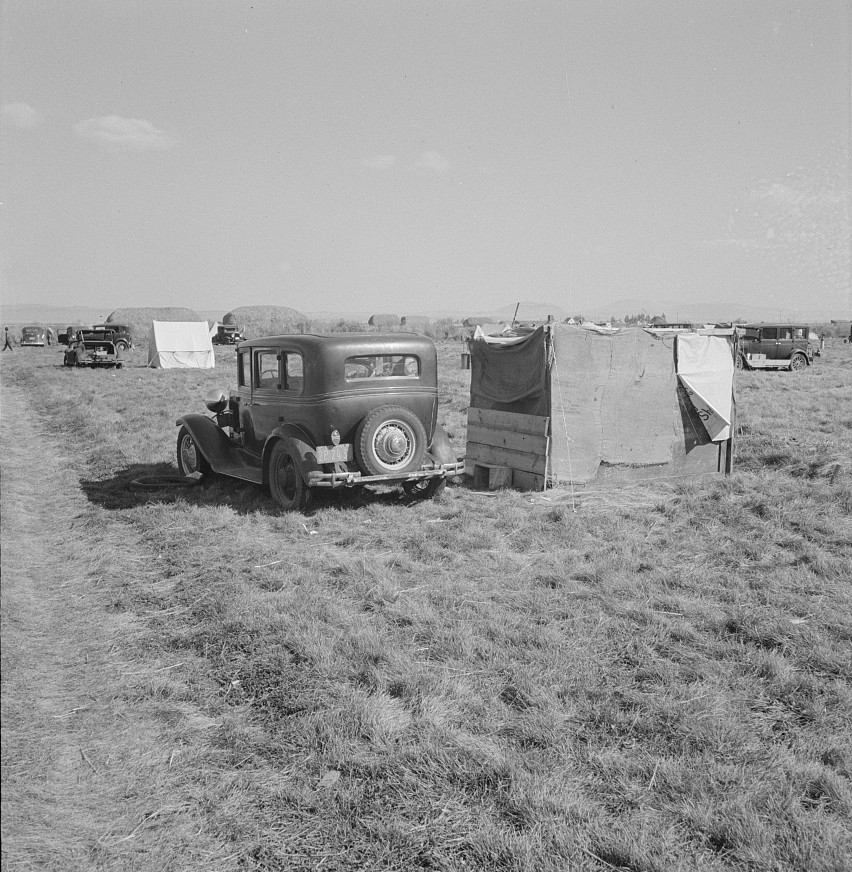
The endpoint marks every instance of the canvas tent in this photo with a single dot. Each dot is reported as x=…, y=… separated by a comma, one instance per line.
x=180, y=345
x=568, y=404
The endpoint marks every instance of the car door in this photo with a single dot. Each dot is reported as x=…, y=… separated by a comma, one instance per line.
x=784, y=344
x=769, y=342
x=260, y=415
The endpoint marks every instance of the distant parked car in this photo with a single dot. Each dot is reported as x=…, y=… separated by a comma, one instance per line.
x=228, y=334
x=33, y=335
x=774, y=346
x=325, y=411
x=122, y=340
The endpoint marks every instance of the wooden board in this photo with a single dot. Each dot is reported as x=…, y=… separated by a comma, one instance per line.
x=527, y=442
x=527, y=481
x=497, y=456
x=533, y=424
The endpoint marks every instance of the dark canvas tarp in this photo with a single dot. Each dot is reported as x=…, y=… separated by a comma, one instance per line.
x=510, y=377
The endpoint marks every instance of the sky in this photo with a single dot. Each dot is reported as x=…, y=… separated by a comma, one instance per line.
x=411, y=156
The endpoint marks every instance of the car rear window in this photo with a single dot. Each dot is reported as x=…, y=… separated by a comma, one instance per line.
x=382, y=366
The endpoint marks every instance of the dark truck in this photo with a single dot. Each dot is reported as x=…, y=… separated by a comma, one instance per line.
x=774, y=346
x=325, y=411
x=227, y=334
x=121, y=333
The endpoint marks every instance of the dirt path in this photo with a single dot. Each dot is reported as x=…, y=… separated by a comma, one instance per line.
x=92, y=777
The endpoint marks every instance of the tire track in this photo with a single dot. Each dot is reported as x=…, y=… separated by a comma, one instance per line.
x=88, y=776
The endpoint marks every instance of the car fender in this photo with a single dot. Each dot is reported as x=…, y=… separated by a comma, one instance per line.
x=301, y=446
x=210, y=440
x=441, y=449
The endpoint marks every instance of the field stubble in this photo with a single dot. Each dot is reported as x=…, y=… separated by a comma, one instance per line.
x=650, y=678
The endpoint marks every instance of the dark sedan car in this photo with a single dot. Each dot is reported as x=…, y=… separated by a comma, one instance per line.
x=329, y=411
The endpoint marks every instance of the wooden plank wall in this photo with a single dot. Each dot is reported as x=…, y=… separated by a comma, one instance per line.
x=506, y=439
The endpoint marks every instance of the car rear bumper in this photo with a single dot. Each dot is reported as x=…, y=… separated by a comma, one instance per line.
x=350, y=479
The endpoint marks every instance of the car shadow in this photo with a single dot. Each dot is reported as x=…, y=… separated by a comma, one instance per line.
x=144, y=483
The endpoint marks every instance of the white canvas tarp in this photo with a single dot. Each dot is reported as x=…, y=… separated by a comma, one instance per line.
x=706, y=370
x=180, y=345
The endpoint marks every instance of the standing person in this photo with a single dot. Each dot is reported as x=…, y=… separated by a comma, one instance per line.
x=8, y=342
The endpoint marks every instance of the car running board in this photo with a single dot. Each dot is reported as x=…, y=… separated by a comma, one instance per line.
x=246, y=473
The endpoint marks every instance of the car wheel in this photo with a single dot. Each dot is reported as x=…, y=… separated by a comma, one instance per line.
x=189, y=459
x=286, y=484
x=798, y=361
x=391, y=439
x=424, y=488
x=739, y=363
x=121, y=346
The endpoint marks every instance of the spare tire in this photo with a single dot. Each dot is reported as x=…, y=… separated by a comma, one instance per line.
x=390, y=439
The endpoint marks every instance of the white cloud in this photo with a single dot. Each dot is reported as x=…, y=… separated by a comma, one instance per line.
x=20, y=115
x=133, y=134
x=379, y=161
x=432, y=160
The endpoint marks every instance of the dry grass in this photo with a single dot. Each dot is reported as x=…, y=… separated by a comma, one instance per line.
x=659, y=679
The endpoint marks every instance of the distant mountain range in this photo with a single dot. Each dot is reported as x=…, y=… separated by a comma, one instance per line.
x=707, y=312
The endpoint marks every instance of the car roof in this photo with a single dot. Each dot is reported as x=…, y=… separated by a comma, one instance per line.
x=360, y=343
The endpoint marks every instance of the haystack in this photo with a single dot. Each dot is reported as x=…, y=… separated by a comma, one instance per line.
x=266, y=320
x=384, y=322
x=140, y=319
x=415, y=323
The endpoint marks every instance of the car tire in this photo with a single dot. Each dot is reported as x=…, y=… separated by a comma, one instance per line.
x=739, y=362
x=798, y=362
x=424, y=488
x=390, y=439
x=189, y=459
x=286, y=484
x=121, y=346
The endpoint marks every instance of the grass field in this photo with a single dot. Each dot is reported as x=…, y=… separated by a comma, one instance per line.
x=650, y=678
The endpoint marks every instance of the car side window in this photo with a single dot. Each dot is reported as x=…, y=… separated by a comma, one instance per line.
x=799, y=333
x=243, y=371
x=770, y=332
x=785, y=333
x=266, y=370
x=294, y=371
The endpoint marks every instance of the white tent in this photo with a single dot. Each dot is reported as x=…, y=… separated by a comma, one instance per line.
x=180, y=345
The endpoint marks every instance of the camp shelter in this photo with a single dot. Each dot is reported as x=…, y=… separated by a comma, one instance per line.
x=573, y=405
x=180, y=345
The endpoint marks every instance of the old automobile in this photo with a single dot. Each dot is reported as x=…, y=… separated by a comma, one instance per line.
x=227, y=334
x=33, y=335
x=325, y=411
x=774, y=346
x=121, y=333
x=93, y=348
